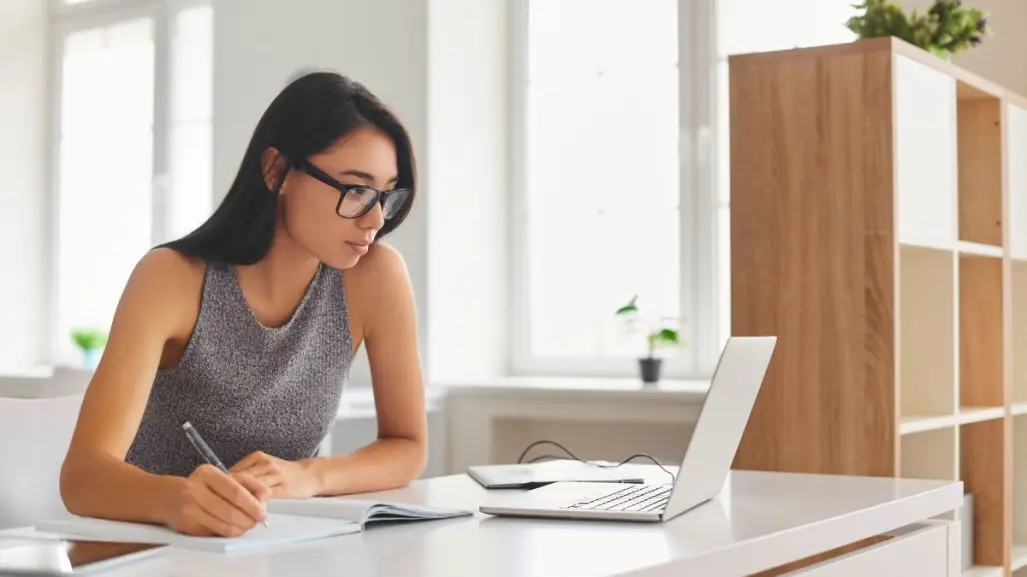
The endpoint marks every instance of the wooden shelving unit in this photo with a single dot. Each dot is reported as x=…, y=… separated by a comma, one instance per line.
x=879, y=229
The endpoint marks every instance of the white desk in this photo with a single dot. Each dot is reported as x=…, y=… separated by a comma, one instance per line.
x=760, y=521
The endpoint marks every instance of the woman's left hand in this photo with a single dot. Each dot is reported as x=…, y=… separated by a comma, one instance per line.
x=285, y=479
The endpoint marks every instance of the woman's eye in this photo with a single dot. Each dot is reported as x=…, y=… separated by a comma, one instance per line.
x=361, y=192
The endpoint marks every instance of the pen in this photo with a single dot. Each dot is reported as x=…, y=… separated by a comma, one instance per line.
x=204, y=449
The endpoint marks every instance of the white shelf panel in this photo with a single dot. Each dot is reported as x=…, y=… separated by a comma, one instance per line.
x=979, y=414
x=1016, y=146
x=1020, y=408
x=925, y=140
x=924, y=423
x=966, y=247
x=983, y=571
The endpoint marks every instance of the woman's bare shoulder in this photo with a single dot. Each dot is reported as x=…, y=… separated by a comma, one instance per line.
x=377, y=283
x=382, y=269
x=169, y=268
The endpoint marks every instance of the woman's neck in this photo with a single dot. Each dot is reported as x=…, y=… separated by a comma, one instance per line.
x=283, y=273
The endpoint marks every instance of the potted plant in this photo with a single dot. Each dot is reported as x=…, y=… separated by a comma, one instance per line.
x=657, y=335
x=945, y=29
x=91, y=342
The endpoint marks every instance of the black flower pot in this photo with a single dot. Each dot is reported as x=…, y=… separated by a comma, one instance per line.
x=650, y=369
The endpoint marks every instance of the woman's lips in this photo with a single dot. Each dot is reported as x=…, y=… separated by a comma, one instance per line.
x=358, y=247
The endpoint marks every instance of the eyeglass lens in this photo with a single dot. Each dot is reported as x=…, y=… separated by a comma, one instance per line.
x=359, y=199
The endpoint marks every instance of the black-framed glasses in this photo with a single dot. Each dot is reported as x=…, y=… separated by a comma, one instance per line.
x=356, y=200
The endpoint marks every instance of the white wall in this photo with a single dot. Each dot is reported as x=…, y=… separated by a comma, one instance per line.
x=258, y=46
x=441, y=65
x=468, y=92
x=23, y=223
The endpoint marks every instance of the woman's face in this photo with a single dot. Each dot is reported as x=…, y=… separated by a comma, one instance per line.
x=363, y=162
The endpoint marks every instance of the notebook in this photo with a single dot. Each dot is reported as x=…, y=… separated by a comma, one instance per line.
x=361, y=511
x=281, y=529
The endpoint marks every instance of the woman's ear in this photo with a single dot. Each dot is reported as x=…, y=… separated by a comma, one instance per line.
x=273, y=165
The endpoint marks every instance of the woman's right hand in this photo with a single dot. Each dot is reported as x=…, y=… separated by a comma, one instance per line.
x=211, y=503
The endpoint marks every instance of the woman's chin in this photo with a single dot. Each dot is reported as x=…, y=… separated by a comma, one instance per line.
x=342, y=261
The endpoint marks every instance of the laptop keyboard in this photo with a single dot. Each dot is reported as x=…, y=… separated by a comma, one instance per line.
x=642, y=498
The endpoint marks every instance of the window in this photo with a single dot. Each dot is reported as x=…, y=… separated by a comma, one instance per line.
x=621, y=178
x=602, y=213
x=132, y=163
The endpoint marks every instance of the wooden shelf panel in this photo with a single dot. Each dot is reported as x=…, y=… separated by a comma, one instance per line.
x=813, y=254
x=982, y=469
x=1019, y=321
x=979, y=138
x=927, y=332
x=981, y=379
x=929, y=455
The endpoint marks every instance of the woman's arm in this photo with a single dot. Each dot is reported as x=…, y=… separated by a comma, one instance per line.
x=95, y=479
x=400, y=453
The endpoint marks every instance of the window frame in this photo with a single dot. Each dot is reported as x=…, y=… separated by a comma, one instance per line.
x=700, y=293
x=65, y=20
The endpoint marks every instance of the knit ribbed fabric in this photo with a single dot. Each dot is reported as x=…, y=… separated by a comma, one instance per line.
x=247, y=387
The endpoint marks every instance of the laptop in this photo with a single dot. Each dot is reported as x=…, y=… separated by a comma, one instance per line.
x=707, y=460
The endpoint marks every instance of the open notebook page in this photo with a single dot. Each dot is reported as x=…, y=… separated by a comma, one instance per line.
x=281, y=529
x=360, y=510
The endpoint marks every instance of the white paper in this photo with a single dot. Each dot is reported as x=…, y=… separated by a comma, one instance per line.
x=328, y=507
x=281, y=529
x=359, y=510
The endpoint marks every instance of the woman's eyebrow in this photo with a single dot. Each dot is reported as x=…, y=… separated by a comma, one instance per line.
x=367, y=176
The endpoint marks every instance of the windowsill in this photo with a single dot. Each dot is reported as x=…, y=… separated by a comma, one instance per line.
x=43, y=382
x=580, y=387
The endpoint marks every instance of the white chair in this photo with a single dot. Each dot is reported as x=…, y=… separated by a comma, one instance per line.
x=34, y=437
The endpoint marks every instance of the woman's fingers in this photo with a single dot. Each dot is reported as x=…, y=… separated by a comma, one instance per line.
x=200, y=517
x=249, y=461
x=255, y=485
x=237, y=504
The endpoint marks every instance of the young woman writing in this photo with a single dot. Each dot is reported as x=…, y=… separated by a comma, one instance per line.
x=247, y=326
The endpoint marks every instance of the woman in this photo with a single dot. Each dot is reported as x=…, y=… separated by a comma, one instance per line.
x=247, y=326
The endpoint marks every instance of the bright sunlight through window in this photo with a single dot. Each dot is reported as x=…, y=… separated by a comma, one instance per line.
x=602, y=220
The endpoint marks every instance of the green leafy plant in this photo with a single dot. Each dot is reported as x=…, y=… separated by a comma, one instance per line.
x=89, y=339
x=945, y=29
x=656, y=334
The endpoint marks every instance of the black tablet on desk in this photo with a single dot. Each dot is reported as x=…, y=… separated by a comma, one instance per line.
x=30, y=556
x=533, y=475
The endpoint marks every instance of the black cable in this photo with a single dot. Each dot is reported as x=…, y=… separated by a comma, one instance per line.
x=574, y=457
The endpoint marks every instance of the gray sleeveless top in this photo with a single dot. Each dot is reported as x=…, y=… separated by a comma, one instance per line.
x=247, y=387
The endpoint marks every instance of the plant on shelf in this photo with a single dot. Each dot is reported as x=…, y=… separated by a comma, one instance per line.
x=945, y=29
x=91, y=342
x=657, y=335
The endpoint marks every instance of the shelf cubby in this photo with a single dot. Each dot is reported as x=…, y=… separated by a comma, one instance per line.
x=1019, y=553
x=1019, y=320
x=981, y=333
x=927, y=332
x=979, y=155
x=982, y=470
x=929, y=454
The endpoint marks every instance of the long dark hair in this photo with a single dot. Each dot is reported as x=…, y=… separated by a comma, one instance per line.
x=309, y=115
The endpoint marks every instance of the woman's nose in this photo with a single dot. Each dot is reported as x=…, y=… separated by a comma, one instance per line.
x=374, y=219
